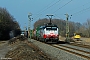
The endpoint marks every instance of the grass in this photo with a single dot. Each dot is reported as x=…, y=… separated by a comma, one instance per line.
x=87, y=39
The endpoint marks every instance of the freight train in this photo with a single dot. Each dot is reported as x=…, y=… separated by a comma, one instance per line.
x=47, y=33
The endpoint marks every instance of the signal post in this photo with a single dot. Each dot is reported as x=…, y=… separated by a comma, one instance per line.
x=29, y=26
x=67, y=29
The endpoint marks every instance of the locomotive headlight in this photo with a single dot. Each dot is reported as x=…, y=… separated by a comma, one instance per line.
x=57, y=35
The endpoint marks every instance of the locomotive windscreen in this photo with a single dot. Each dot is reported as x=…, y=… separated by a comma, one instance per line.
x=51, y=28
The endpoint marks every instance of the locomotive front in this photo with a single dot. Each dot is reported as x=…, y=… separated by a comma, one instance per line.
x=51, y=33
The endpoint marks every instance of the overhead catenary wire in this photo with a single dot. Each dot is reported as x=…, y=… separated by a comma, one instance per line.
x=81, y=11
x=45, y=7
x=57, y=9
x=48, y=7
x=80, y=6
x=53, y=4
x=62, y=6
x=78, y=12
x=57, y=16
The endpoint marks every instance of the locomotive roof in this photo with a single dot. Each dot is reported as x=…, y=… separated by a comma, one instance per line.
x=47, y=25
x=50, y=24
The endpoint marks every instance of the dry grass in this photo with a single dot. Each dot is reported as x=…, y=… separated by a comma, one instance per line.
x=61, y=38
x=88, y=40
x=85, y=41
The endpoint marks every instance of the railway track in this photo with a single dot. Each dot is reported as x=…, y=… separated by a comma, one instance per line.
x=81, y=45
x=75, y=51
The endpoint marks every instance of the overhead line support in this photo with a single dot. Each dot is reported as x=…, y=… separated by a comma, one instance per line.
x=67, y=29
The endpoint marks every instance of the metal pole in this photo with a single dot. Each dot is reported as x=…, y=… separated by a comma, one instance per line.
x=67, y=29
x=29, y=26
x=25, y=30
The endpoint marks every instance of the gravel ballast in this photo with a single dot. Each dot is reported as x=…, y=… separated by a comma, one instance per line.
x=56, y=53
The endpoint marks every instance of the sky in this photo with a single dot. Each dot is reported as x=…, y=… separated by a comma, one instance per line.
x=20, y=9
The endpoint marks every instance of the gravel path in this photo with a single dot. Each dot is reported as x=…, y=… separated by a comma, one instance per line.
x=5, y=48
x=57, y=53
x=27, y=51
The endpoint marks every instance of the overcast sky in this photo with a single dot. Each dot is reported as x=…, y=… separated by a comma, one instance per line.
x=19, y=9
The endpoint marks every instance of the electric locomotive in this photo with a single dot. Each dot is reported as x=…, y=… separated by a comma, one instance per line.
x=48, y=32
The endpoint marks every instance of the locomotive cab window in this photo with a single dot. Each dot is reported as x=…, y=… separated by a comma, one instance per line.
x=54, y=28
x=51, y=28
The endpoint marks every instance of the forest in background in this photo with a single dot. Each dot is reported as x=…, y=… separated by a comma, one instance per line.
x=74, y=27
x=8, y=24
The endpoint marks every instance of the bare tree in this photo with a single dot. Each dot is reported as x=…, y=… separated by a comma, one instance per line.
x=87, y=26
x=7, y=23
